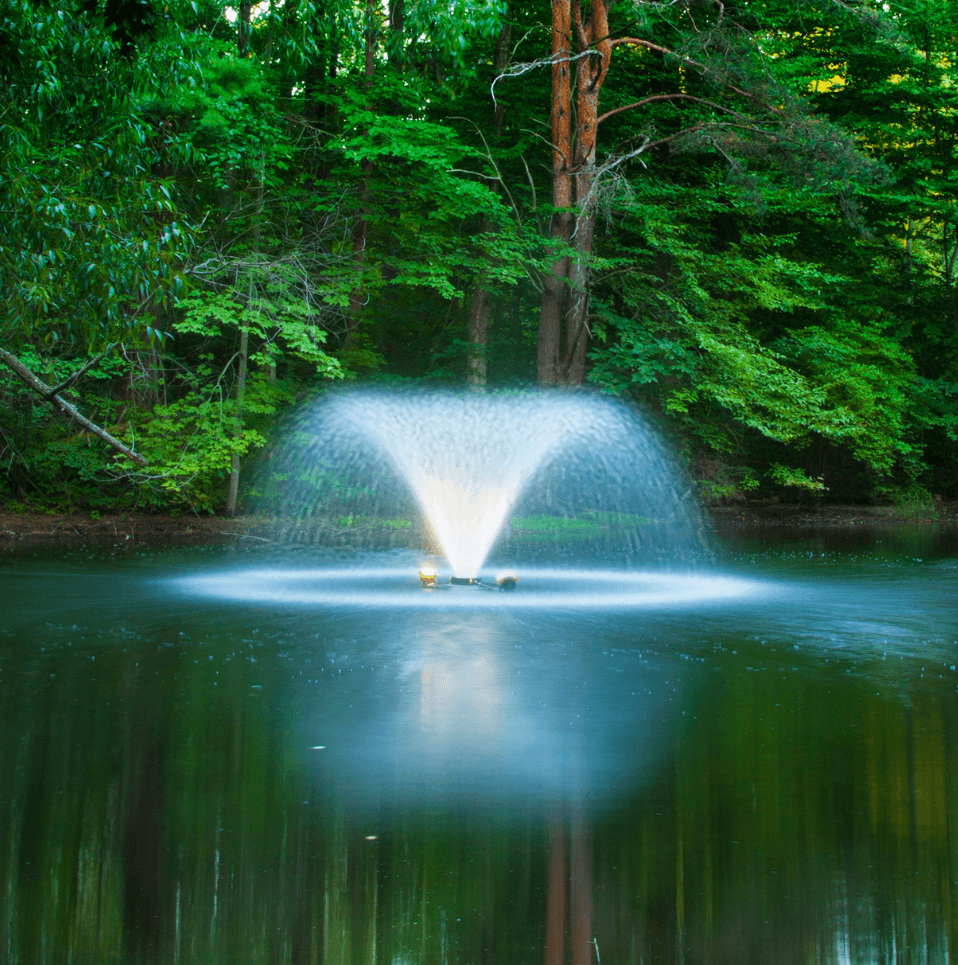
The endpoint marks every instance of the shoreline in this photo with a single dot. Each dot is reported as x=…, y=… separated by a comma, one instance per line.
x=37, y=529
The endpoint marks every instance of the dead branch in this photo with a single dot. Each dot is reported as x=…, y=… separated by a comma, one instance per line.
x=51, y=395
x=73, y=379
x=668, y=97
x=517, y=70
x=689, y=62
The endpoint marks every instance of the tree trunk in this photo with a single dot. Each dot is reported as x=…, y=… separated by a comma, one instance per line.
x=477, y=334
x=501, y=61
x=320, y=72
x=397, y=28
x=577, y=298
x=560, y=229
x=233, y=493
x=478, y=337
x=243, y=360
x=572, y=371
x=564, y=316
x=244, y=27
x=357, y=297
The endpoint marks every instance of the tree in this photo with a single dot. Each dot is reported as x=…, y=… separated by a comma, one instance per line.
x=734, y=108
x=889, y=77
x=85, y=245
x=246, y=208
x=477, y=330
x=775, y=310
x=103, y=216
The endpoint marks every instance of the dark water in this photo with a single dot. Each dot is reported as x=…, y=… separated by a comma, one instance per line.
x=768, y=778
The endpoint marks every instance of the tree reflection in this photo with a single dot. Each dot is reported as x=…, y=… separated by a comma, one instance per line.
x=156, y=811
x=576, y=880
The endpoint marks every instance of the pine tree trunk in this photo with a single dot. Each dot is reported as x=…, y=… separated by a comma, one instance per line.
x=564, y=317
x=554, y=284
x=580, y=272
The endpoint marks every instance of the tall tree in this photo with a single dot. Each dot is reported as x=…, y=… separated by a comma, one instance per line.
x=733, y=106
x=477, y=331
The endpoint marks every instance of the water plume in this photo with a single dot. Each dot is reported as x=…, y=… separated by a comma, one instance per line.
x=537, y=467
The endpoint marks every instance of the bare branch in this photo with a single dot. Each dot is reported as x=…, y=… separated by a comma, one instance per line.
x=662, y=141
x=688, y=61
x=600, y=173
x=667, y=97
x=41, y=388
x=532, y=185
x=73, y=379
x=647, y=145
x=517, y=70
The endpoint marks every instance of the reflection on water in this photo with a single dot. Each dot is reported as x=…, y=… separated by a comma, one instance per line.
x=485, y=708
x=190, y=780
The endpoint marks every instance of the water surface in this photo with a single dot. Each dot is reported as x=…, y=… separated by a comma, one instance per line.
x=763, y=774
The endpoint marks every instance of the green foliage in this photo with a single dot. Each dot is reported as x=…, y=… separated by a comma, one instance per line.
x=777, y=284
x=279, y=323
x=227, y=116
x=794, y=478
x=537, y=524
x=586, y=524
x=352, y=522
x=752, y=339
x=47, y=461
x=910, y=500
x=717, y=481
x=89, y=236
x=437, y=220
x=189, y=443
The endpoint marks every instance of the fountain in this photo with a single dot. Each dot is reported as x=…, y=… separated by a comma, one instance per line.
x=439, y=527
x=570, y=469
x=572, y=490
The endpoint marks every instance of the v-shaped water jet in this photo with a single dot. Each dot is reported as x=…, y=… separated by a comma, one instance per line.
x=569, y=468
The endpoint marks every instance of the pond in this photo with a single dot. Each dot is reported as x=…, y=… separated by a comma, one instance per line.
x=245, y=755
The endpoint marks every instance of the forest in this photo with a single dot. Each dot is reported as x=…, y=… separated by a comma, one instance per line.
x=742, y=216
